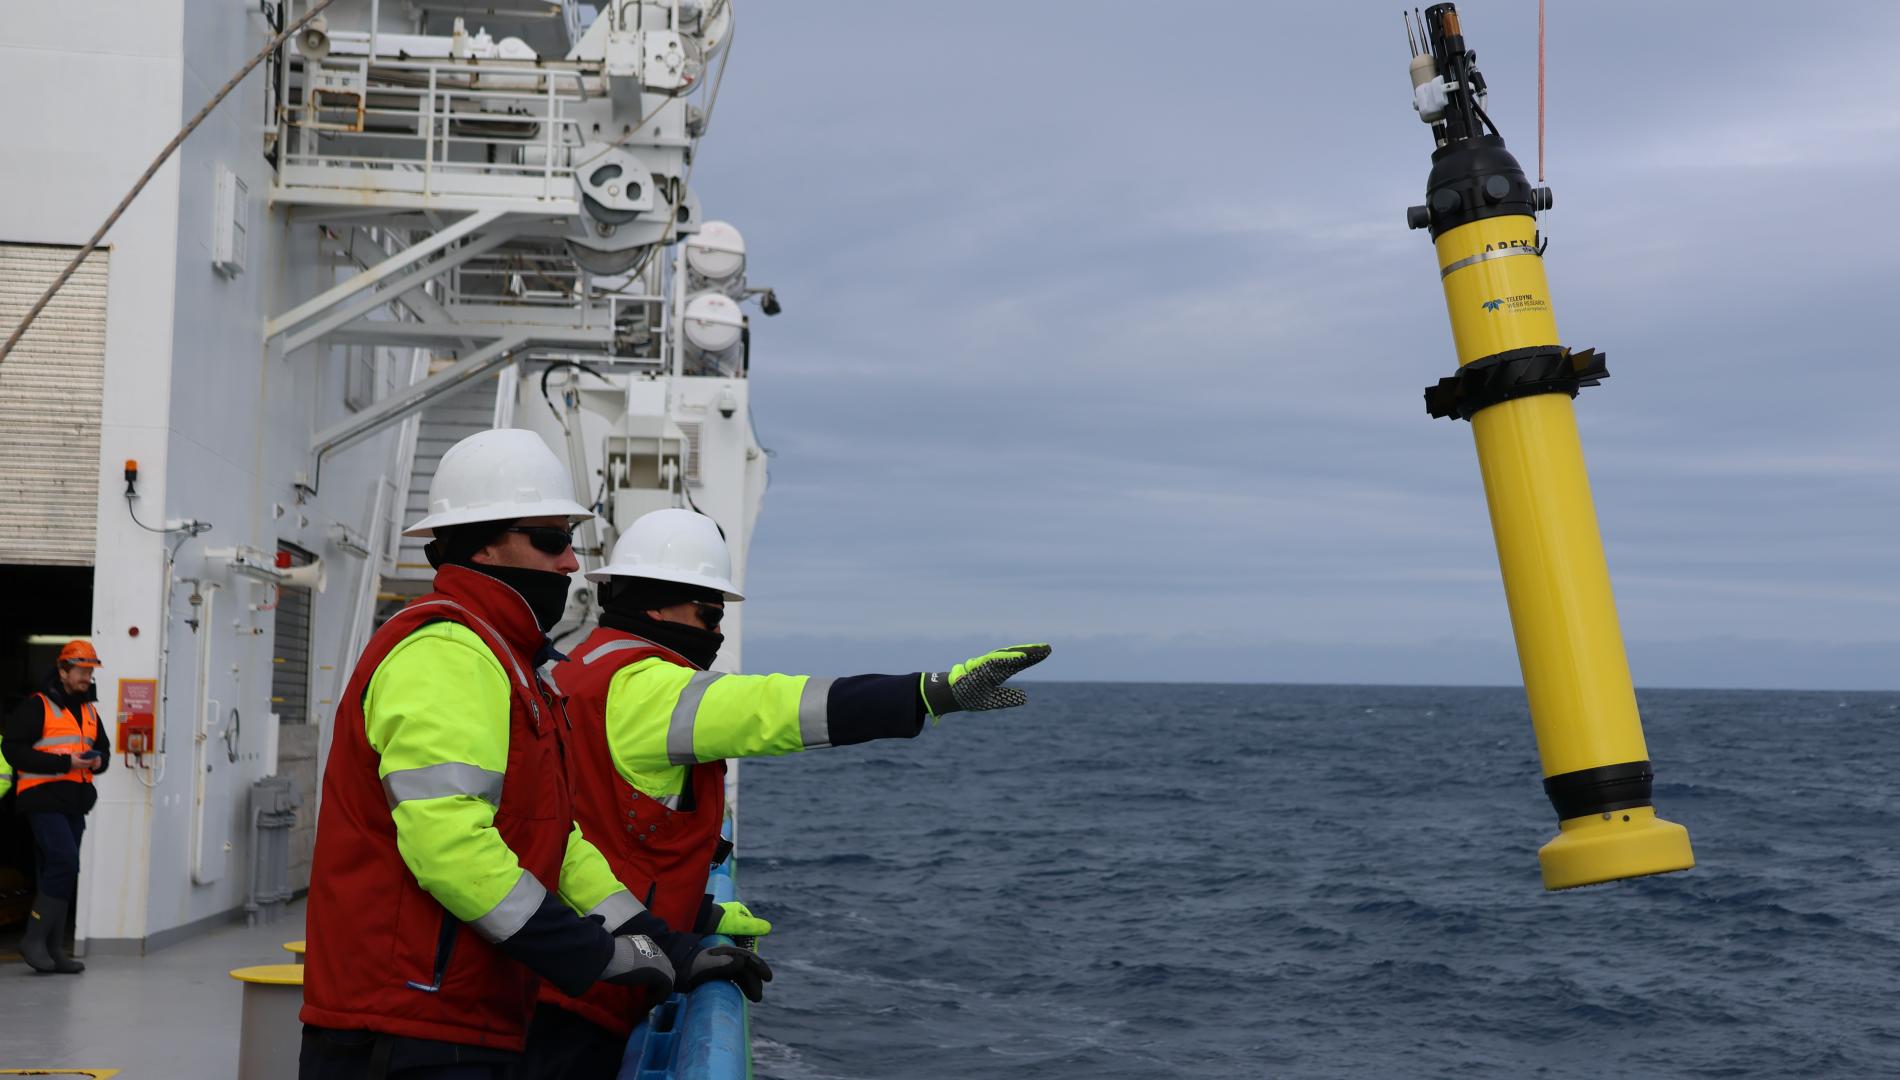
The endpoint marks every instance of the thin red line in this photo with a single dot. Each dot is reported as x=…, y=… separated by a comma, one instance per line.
x=1540, y=91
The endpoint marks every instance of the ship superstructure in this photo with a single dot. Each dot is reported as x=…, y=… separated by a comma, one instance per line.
x=420, y=218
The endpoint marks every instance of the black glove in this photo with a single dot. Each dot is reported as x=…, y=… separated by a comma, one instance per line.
x=693, y=963
x=746, y=970
x=977, y=683
x=637, y=961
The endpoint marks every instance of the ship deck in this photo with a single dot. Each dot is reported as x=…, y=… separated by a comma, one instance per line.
x=174, y=1013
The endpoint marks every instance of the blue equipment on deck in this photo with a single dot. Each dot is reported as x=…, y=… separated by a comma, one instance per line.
x=703, y=1035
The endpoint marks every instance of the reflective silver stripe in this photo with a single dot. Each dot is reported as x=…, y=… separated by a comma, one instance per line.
x=520, y=675
x=1496, y=253
x=617, y=909
x=814, y=723
x=616, y=646
x=506, y=919
x=59, y=740
x=440, y=781
x=43, y=775
x=679, y=733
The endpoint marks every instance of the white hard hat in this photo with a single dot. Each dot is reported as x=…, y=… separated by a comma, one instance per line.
x=498, y=475
x=672, y=545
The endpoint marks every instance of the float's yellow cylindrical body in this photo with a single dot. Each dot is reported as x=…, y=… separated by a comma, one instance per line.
x=1569, y=644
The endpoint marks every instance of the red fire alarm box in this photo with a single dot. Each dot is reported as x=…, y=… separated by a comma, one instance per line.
x=138, y=705
x=135, y=734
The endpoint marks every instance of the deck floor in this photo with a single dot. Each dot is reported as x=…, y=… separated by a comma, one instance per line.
x=172, y=1014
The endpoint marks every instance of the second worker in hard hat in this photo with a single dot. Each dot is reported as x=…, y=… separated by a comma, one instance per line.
x=56, y=744
x=652, y=730
x=449, y=877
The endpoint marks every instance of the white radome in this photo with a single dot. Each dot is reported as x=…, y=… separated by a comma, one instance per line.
x=714, y=323
x=716, y=252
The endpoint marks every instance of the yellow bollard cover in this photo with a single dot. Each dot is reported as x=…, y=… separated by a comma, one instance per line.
x=270, y=974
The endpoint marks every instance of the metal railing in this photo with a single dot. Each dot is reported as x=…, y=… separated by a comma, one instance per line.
x=496, y=129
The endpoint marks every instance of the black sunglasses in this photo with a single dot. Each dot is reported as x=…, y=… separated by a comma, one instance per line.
x=547, y=539
x=709, y=613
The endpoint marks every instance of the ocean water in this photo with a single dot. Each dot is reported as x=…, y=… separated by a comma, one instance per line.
x=1307, y=881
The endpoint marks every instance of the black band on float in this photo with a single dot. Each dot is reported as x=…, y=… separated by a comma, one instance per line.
x=1600, y=790
x=1545, y=369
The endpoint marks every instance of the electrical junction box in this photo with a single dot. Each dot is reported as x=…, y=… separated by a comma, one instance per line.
x=230, y=211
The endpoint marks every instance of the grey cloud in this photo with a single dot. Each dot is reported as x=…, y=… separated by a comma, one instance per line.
x=1106, y=320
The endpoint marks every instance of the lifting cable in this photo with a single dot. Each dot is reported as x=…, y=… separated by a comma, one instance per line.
x=1540, y=91
x=150, y=170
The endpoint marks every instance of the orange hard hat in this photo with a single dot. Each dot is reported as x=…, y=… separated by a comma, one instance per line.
x=79, y=653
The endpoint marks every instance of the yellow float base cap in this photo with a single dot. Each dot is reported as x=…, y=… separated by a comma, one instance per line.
x=271, y=974
x=1609, y=847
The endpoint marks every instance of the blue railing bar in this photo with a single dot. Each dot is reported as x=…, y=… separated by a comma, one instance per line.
x=704, y=1035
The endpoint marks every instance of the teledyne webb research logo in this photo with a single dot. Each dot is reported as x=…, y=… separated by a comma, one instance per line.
x=1517, y=304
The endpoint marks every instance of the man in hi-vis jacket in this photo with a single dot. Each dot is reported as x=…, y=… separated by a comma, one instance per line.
x=450, y=878
x=56, y=744
x=652, y=730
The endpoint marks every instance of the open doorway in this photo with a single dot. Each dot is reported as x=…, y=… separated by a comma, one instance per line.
x=46, y=606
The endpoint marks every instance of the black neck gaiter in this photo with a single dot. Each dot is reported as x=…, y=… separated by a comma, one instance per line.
x=699, y=646
x=544, y=590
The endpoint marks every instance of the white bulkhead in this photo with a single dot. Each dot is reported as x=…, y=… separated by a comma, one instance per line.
x=394, y=233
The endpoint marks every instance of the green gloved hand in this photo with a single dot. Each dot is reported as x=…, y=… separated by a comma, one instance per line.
x=735, y=921
x=977, y=683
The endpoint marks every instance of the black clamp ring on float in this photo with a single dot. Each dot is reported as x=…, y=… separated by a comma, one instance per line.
x=1545, y=369
x=1601, y=790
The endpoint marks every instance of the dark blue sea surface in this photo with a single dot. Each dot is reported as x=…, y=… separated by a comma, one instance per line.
x=1307, y=881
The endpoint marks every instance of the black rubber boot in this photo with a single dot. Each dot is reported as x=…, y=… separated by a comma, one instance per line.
x=39, y=931
x=44, y=945
x=63, y=963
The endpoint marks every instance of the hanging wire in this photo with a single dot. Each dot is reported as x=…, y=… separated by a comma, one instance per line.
x=1540, y=91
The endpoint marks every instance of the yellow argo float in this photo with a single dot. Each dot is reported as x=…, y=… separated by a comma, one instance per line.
x=1515, y=382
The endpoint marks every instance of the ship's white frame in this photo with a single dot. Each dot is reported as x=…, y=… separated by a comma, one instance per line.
x=374, y=247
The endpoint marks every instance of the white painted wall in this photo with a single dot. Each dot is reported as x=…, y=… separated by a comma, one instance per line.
x=219, y=424
x=99, y=97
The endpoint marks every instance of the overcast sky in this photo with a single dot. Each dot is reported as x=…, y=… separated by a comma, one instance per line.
x=1102, y=326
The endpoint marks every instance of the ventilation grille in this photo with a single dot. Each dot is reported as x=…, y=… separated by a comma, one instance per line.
x=50, y=390
x=690, y=429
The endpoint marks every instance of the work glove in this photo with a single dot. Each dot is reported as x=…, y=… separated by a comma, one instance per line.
x=977, y=683
x=736, y=921
x=693, y=963
x=746, y=970
x=637, y=961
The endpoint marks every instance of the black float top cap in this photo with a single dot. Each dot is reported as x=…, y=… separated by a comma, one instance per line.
x=1473, y=179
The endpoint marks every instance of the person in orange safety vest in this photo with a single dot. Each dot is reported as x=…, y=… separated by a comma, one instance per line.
x=56, y=745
